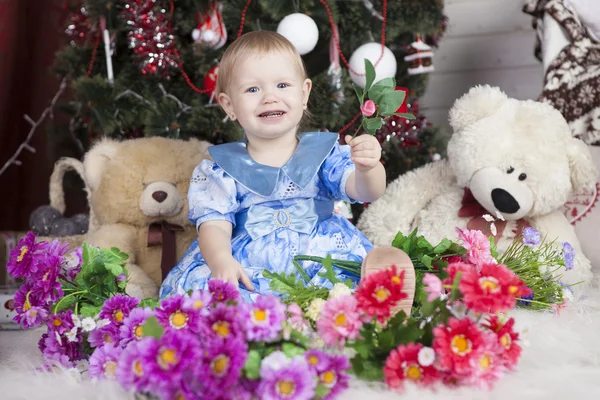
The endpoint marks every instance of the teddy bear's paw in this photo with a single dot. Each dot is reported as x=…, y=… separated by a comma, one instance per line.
x=142, y=292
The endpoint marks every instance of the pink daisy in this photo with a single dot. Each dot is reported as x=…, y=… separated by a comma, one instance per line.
x=103, y=362
x=173, y=316
x=117, y=308
x=132, y=328
x=402, y=365
x=339, y=320
x=456, y=344
x=488, y=365
x=433, y=286
x=477, y=245
x=378, y=293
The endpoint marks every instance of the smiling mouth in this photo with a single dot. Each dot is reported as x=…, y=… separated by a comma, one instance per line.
x=271, y=114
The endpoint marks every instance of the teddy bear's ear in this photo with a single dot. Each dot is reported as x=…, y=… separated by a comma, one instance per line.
x=96, y=159
x=478, y=103
x=583, y=169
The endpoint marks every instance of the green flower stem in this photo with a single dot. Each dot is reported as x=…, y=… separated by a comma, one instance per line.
x=66, y=297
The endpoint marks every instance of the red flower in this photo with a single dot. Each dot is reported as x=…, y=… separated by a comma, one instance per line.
x=368, y=108
x=379, y=292
x=456, y=345
x=453, y=270
x=403, y=365
x=507, y=339
x=493, y=289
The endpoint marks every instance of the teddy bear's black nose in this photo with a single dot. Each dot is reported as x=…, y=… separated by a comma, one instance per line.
x=504, y=201
x=159, y=196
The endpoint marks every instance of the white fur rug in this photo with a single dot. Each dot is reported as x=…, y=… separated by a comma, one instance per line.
x=561, y=361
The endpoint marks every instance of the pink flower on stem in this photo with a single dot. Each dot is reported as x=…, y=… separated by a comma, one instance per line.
x=433, y=286
x=368, y=108
x=339, y=320
x=478, y=246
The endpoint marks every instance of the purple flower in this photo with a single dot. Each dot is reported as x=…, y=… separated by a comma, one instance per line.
x=61, y=322
x=222, y=291
x=131, y=372
x=46, y=284
x=170, y=360
x=284, y=378
x=568, y=255
x=26, y=301
x=245, y=389
x=224, y=321
x=23, y=258
x=265, y=318
x=334, y=376
x=108, y=334
x=221, y=365
x=523, y=301
x=103, y=362
x=117, y=308
x=317, y=360
x=199, y=300
x=57, y=248
x=172, y=315
x=52, y=345
x=531, y=237
x=132, y=329
x=34, y=317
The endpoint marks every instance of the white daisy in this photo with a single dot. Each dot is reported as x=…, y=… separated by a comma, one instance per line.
x=426, y=356
x=72, y=335
x=88, y=324
x=102, y=322
x=339, y=289
x=76, y=320
x=314, y=309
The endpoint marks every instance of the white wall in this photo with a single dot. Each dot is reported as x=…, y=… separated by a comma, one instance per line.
x=487, y=42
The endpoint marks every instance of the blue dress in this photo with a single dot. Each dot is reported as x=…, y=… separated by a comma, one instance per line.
x=277, y=213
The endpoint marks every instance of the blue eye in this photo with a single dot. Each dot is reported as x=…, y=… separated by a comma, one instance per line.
x=253, y=89
x=282, y=85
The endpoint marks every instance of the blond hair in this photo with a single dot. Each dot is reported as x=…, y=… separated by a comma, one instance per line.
x=255, y=43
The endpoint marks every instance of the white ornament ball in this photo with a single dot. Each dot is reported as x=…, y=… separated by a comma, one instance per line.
x=386, y=68
x=301, y=30
x=436, y=157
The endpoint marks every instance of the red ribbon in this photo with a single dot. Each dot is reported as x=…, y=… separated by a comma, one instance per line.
x=164, y=233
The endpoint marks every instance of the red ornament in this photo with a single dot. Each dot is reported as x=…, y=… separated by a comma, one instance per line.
x=80, y=27
x=150, y=37
x=211, y=30
x=210, y=80
x=403, y=109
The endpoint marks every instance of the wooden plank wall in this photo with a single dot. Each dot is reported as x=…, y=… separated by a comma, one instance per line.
x=487, y=42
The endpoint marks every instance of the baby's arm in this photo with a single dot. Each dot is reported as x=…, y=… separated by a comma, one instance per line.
x=367, y=182
x=214, y=240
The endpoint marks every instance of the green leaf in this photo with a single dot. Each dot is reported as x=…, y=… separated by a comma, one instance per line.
x=372, y=124
x=291, y=350
x=444, y=245
x=301, y=271
x=367, y=370
x=386, y=340
x=359, y=93
x=369, y=74
x=65, y=303
x=390, y=102
x=321, y=391
x=362, y=348
x=152, y=328
x=404, y=115
x=329, y=273
x=422, y=243
x=399, y=240
x=115, y=269
x=426, y=260
x=381, y=87
x=252, y=366
x=149, y=302
x=88, y=310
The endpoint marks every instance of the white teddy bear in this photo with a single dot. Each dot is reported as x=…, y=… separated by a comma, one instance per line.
x=508, y=158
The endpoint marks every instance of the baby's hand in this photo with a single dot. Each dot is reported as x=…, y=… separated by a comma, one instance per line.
x=233, y=272
x=366, y=151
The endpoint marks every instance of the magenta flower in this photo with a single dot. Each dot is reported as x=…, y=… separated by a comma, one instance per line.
x=223, y=292
x=103, y=362
x=433, y=286
x=368, y=108
x=224, y=322
x=57, y=249
x=339, y=321
x=131, y=372
x=53, y=346
x=221, y=364
x=108, y=334
x=296, y=317
x=169, y=360
x=31, y=309
x=199, y=301
x=172, y=315
x=265, y=318
x=284, y=378
x=34, y=317
x=71, y=263
x=117, y=308
x=23, y=258
x=334, y=375
x=61, y=322
x=317, y=360
x=132, y=328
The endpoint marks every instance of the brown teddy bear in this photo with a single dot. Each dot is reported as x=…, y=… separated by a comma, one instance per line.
x=138, y=195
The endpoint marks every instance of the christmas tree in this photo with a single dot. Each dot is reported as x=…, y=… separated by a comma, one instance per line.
x=148, y=67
